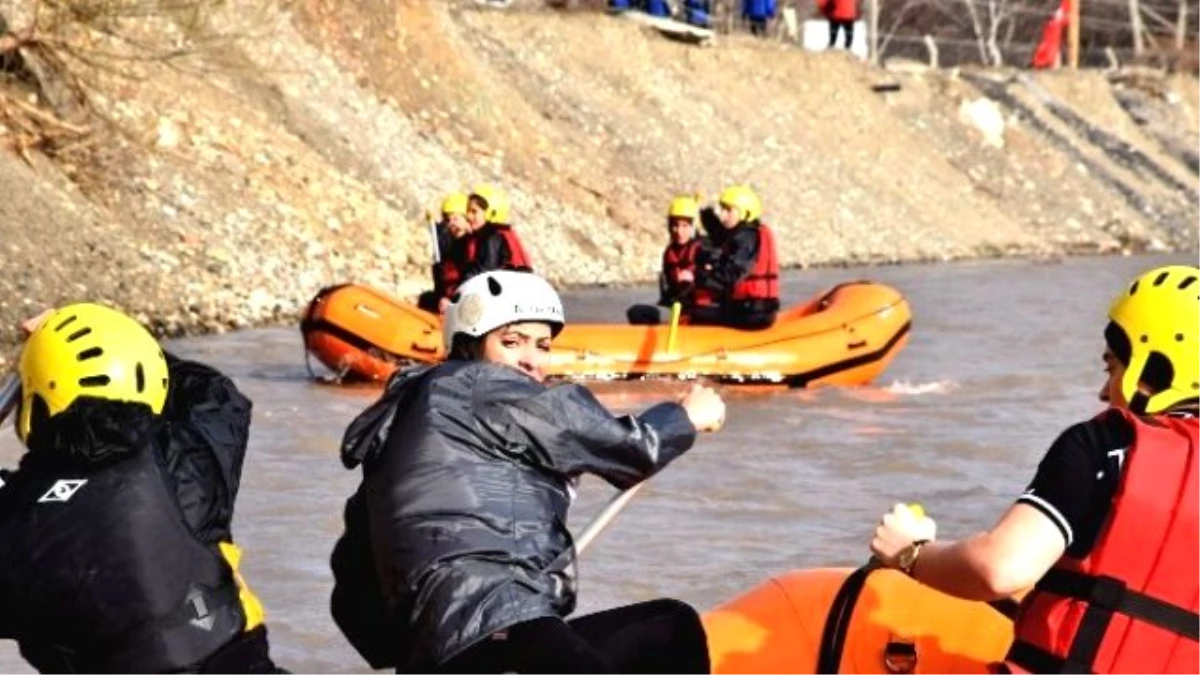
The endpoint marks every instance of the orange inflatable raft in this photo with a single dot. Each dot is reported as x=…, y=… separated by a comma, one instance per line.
x=846, y=335
x=838, y=620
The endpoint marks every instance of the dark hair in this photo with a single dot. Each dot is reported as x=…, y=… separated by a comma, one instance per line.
x=1118, y=342
x=465, y=348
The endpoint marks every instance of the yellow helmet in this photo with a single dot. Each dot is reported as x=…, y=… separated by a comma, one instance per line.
x=684, y=207
x=743, y=201
x=89, y=350
x=495, y=203
x=1154, y=331
x=455, y=202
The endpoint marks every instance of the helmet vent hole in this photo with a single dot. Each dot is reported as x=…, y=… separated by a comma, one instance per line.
x=140, y=376
x=90, y=353
x=1187, y=282
x=1134, y=287
x=94, y=381
x=494, y=286
x=64, y=323
x=1158, y=373
x=1145, y=339
x=78, y=334
x=1179, y=337
x=1158, y=280
x=53, y=384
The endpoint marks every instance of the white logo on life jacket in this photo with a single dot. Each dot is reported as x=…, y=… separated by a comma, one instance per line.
x=62, y=490
x=203, y=620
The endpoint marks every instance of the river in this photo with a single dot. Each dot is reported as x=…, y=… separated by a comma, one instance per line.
x=1003, y=355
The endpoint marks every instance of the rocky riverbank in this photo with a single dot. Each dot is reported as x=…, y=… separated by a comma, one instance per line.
x=212, y=165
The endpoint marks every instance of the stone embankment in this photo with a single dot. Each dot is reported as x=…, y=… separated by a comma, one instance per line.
x=212, y=166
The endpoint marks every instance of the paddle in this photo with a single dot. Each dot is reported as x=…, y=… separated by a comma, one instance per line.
x=673, y=331
x=10, y=394
x=594, y=528
x=606, y=516
x=435, y=249
x=621, y=499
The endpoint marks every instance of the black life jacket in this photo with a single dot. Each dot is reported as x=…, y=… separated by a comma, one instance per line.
x=99, y=571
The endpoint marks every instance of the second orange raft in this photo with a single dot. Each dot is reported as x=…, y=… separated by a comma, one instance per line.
x=837, y=620
x=845, y=335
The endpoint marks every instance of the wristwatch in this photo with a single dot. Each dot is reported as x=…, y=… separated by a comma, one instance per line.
x=908, y=556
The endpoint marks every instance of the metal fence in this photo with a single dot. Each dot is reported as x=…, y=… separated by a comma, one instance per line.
x=992, y=32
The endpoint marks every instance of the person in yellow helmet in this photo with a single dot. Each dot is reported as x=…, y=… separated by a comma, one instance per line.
x=742, y=272
x=1106, y=535
x=678, y=276
x=676, y=281
x=116, y=553
x=493, y=244
x=450, y=236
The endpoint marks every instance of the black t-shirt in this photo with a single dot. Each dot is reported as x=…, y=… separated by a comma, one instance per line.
x=1078, y=478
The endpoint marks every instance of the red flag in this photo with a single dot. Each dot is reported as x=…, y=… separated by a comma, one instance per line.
x=1048, y=50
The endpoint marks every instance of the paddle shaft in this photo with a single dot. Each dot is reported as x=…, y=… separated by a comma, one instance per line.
x=434, y=248
x=673, y=331
x=10, y=395
x=596, y=526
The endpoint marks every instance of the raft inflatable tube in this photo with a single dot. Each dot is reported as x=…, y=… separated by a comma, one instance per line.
x=846, y=335
x=838, y=620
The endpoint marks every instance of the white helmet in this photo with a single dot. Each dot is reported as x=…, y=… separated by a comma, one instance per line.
x=498, y=298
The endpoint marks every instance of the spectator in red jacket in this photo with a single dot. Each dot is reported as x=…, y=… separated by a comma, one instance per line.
x=841, y=14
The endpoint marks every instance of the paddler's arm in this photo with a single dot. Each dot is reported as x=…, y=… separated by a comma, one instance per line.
x=998, y=563
x=1031, y=535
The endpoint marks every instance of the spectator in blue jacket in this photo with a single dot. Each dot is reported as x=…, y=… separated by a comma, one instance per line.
x=758, y=13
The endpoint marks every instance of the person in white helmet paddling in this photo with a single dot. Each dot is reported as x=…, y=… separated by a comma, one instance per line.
x=448, y=560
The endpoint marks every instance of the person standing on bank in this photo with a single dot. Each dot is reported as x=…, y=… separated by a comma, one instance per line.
x=841, y=14
x=449, y=561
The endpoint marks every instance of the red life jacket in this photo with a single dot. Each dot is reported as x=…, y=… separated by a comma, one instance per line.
x=451, y=275
x=763, y=281
x=518, y=259
x=1131, y=604
x=677, y=258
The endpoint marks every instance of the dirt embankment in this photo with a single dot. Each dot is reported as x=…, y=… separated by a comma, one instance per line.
x=213, y=166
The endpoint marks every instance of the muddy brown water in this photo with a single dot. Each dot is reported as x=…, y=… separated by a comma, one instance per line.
x=1002, y=356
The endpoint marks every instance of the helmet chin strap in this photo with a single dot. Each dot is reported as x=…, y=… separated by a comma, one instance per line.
x=1131, y=384
x=1138, y=403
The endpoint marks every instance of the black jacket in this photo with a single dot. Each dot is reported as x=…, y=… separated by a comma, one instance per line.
x=732, y=263
x=493, y=252
x=463, y=504
x=108, y=531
